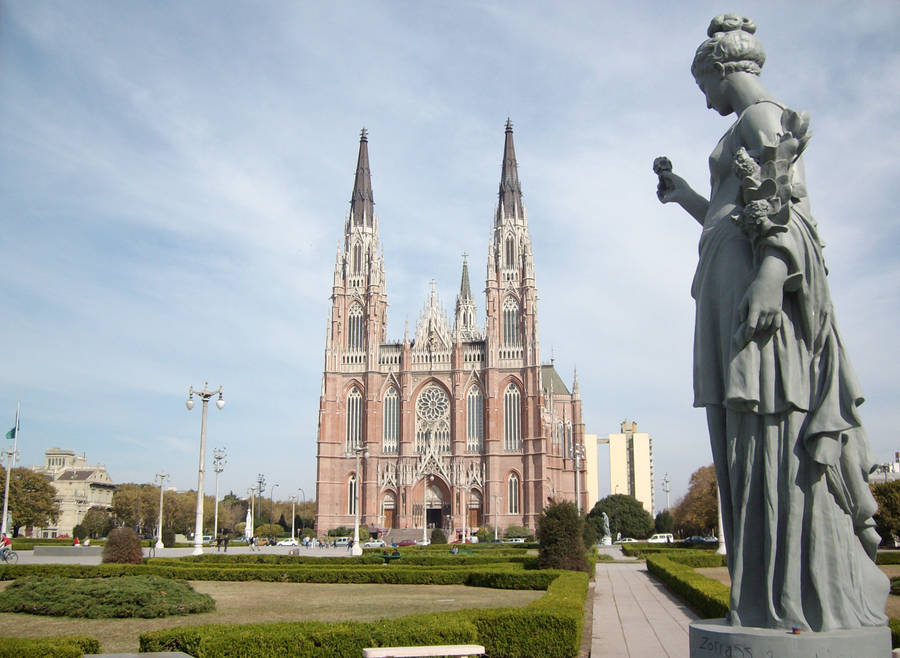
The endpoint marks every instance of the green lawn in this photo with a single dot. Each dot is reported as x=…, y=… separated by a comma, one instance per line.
x=256, y=602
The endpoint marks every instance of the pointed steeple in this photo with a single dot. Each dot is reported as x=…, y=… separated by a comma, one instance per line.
x=510, y=190
x=362, y=210
x=465, y=325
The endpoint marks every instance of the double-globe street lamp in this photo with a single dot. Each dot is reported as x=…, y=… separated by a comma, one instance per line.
x=205, y=396
x=219, y=462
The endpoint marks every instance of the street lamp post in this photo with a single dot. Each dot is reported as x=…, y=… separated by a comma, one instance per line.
x=666, y=488
x=260, y=487
x=162, y=482
x=293, y=515
x=496, y=516
x=219, y=462
x=205, y=396
x=579, y=457
x=272, y=502
x=357, y=549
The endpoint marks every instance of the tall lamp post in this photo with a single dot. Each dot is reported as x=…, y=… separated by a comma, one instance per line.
x=667, y=489
x=205, y=396
x=162, y=485
x=293, y=515
x=302, y=500
x=272, y=502
x=219, y=462
x=579, y=458
x=496, y=516
x=260, y=487
x=357, y=549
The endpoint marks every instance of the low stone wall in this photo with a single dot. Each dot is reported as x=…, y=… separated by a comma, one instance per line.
x=69, y=551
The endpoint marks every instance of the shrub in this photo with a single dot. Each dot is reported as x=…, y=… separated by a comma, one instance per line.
x=269, y=530
x=888, y=557
x=485, y=534
x=708, y=597
x=438, y=536
x=99, y=598
x=340, y=531
x=518, y=531
x=71, y=646
x=560, y=533
x=123, y=546
x=626, y=516
x=168, y=537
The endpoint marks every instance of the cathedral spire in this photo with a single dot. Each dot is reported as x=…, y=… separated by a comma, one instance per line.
x=510, y=190
x=465, y=290
x=465, y=325
x=362, y=211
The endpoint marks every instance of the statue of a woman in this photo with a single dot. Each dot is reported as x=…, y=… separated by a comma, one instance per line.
x=605, y=524
x=781, y=399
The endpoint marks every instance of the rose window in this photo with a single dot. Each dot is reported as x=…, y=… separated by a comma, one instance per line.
x=433, y=420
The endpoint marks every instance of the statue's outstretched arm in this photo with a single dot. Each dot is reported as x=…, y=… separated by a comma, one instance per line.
x=672, y=188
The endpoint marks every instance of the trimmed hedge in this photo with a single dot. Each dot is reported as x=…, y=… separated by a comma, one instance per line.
x=888, y=557
x=67, y=646
x=708, y=597
x=550, y=626
x=419, y=559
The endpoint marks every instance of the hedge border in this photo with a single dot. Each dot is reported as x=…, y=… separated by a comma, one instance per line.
x=64, y=646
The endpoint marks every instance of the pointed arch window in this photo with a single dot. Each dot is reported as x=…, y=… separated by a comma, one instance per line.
x=510, y=252
x=433, y=420
x=390, y=437
x=474, y=420
x=354, y=420
x=356, y=336
x=357, y=258
x=512, y=419
x=510, y=322
x=512, y=494
x=351, y=495
x=570, y=445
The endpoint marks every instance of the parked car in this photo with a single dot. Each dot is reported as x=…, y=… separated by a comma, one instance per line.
x=288, y=542
x=423, y=542
x=342, y=541
x=625, y=540
x=514, y=540
x=662, y=538
x=374, y=543
x=405, y=542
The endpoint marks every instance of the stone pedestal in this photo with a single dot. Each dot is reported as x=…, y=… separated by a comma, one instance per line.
x=714, y=638
x=606, y=541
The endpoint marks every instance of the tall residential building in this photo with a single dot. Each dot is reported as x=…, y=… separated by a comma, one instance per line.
x=458, y=424
x=79, y=487
x=631, y=464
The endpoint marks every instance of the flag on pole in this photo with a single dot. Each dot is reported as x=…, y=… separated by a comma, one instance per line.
x=11, y=435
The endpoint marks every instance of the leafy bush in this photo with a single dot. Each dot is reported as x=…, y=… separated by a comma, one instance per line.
x=67, y=646
x=438, y=536
x=888, y=557
x=485, y=534
x=123, y=546
x=341, y=531
x=560, y=533
x=626, y=516
x=664, y=522
x=708, y=597
x=516, y=531
x=98, y=598
x=269, y=530
x=168, y=537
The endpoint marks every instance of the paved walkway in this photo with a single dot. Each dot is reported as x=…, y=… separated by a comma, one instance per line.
x=635, y=617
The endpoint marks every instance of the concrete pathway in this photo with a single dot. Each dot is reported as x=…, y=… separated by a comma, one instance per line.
x=635, y=617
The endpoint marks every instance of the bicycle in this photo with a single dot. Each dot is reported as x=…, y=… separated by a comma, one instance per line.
x=10, y=557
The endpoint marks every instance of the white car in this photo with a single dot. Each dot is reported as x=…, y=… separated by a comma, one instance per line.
x=514, y=540
x=625, y=540
x=661, y=538
x=288, y=542
x=374, y=543
x=423, y=542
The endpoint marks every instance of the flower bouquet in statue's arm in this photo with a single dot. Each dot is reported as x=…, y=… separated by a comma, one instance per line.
x=769, y=186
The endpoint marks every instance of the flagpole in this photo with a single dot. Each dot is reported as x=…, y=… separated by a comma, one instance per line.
x=9, y=461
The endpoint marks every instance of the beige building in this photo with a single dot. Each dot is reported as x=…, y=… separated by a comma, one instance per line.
x=631, y=464
x=591, y=474
x=79, y=487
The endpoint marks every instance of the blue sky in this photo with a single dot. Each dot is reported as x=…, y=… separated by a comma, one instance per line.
x=174, y=179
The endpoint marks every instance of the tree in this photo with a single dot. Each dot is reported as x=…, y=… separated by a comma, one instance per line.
x=664, y=522
x=560, y=528
x=32, y=499
x=627, y=517
x=698, y=511
x=887, y=519
x=136, y=506
x=97, y=522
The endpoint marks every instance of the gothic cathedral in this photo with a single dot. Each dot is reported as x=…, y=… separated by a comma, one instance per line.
x=454, y=428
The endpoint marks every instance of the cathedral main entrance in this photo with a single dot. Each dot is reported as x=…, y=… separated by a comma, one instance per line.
x=434, y=505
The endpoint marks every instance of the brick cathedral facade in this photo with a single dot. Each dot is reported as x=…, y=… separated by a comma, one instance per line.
x=457, y=426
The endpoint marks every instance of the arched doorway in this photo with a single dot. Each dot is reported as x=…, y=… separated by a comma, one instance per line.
x=389, y=510
x=473, y=503
x=434, y=505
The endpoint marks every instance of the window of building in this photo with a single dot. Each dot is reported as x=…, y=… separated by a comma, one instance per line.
x=391, y=434
x=356, y=336
x=351, y=495
x=570, y=445
x=357, y=258
x=512, y=419
x=510, y=322
x=513, y=494
x=474, y=420
x=354, y=420
x=510, y=252
x=433, y=419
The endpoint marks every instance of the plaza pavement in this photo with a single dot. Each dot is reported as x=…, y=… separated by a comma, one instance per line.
x=634, y=616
